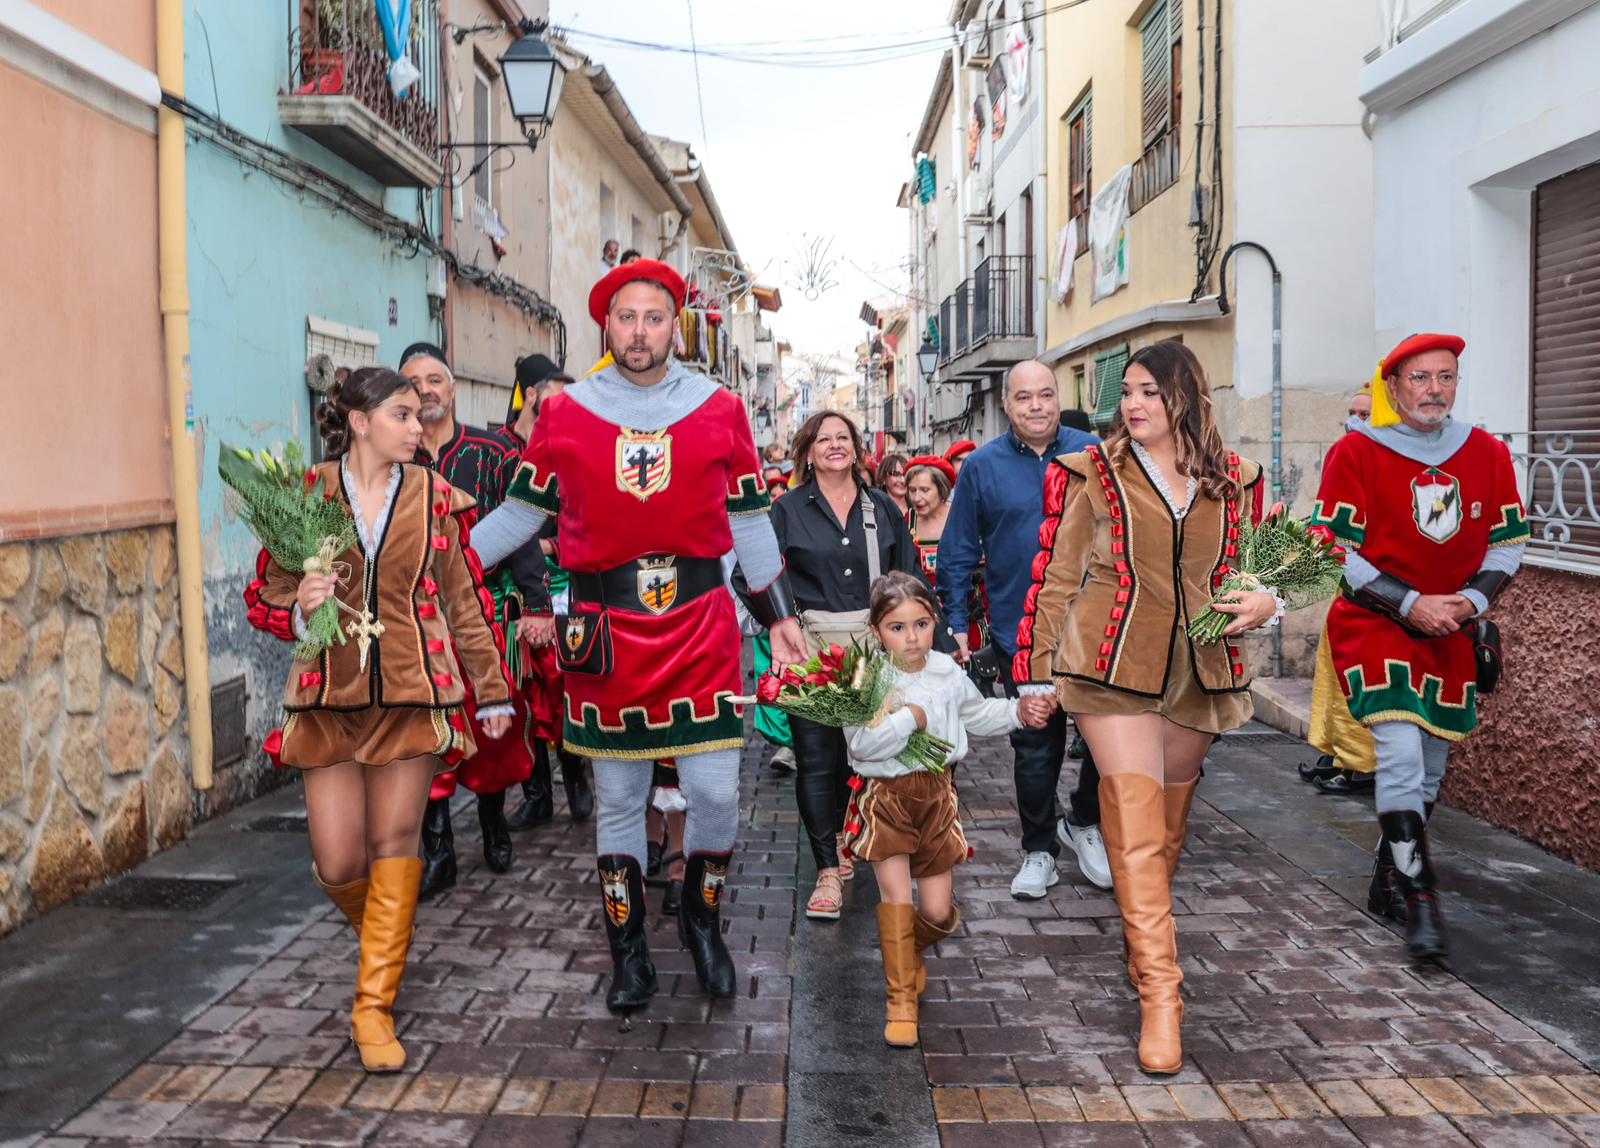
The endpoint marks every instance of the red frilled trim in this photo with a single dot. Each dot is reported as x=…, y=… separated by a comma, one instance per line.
x=275, y=620
x=485, y=599
x=1056, y=481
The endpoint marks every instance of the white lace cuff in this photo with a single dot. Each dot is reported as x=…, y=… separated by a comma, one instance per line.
x=1036, y=690
x=299, y=620
x=1283, y=608
x=505, y=709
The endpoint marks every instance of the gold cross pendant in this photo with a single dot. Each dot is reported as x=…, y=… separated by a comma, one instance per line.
x=363, y=631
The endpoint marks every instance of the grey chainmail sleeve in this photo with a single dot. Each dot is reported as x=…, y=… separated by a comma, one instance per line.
x=757, y=547
x=512, y=524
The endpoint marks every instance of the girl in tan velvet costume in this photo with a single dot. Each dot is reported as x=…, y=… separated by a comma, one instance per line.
x=371, y=721
x=1138, y=532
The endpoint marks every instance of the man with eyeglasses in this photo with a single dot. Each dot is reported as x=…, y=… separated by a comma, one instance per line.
x=1428, y=510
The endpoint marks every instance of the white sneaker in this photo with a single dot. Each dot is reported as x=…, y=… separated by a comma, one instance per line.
x=782, y=760
x=1090, y=848
x=1034, y=879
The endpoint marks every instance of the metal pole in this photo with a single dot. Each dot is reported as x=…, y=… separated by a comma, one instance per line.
x=1277, y=391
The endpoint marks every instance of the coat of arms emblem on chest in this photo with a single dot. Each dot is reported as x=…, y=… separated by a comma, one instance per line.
x=644, y=462
x=1436, y=504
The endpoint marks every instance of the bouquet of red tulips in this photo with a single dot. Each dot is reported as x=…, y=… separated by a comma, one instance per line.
x=839, y=688
x=1302, y=564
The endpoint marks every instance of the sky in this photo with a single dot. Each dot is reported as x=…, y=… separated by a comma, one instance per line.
x=797, y=156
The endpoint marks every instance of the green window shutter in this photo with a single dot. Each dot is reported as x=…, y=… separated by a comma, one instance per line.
x=1108, y=369
x=1156, y=49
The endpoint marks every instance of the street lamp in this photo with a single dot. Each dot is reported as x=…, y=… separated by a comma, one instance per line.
x=927, y=359
x=533, y=77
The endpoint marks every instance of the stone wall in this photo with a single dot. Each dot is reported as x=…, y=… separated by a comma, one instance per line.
x=93, y=757
x=1533, y=766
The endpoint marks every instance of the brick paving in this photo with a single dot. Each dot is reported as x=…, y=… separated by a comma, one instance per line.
x=1305, y=1023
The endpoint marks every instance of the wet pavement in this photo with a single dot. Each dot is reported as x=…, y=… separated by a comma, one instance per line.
x=227, y=1022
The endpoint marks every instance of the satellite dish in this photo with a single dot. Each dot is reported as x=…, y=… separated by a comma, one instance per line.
x=320, y=374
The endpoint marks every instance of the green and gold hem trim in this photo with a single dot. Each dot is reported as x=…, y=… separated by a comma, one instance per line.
x=751, y=498
x=1398, y=700
x=525, y=487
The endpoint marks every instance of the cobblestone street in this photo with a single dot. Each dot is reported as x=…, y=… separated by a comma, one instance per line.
x=1304, y=1023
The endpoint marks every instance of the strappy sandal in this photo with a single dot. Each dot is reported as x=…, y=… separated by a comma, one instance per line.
x=827, y=899
x=847, y=865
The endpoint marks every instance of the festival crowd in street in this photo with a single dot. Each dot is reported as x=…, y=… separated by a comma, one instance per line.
x=572, y=590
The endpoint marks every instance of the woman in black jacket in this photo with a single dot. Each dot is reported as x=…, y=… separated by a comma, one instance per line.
x=825, y=529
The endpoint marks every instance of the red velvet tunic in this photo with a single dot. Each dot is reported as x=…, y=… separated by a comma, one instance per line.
x=620, y=495
x=1429, y=526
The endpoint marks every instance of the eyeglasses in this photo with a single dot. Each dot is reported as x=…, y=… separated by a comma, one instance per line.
x=1422, y=378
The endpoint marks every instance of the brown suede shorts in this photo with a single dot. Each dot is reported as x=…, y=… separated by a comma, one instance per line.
x=915, y=815
x=373, y=736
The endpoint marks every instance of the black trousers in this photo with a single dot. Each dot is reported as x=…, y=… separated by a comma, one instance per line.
x=821, y=786
x=1036, y=772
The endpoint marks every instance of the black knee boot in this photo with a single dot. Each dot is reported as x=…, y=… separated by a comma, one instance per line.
x=438, y=849
x=700, y=923
x=1406, y=835
x=496, y=833
x=575, y=779
x=1384, y=898
x=633, y=974
x=538, y=797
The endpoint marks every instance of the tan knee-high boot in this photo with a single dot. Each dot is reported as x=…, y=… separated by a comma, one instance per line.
x=350, y=897
x=896, y=937
x=386, y=927
x=1178, y=797
x=926, y=934
x=1133, y=821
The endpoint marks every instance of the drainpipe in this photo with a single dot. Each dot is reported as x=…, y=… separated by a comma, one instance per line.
x=1277, y=392
x=958, y=153
x=171, y=214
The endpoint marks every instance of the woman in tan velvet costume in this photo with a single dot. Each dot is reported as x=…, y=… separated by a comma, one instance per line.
x=371, y=721
x=1138, y=531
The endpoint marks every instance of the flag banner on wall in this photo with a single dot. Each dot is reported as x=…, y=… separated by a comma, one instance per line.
x=1108, y=234
x=1066, y=256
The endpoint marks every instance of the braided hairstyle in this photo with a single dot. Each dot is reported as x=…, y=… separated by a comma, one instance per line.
x=364, y=389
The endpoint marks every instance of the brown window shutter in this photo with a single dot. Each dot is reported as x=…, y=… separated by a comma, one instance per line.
x=1566, y=303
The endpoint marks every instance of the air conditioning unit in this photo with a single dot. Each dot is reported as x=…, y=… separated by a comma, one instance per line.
x=976, y=209
x=978, y=44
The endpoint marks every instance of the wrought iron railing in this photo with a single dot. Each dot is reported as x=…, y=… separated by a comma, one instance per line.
x=1560, y=471
x=336, y=49
x=1155, y=171
x=996, y=303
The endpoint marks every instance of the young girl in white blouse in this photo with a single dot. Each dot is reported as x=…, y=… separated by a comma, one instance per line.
x=909, y=825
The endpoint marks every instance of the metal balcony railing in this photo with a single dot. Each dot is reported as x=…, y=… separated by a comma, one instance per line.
x=996, y=303
x=336, y=49
x=1154, y=171
x=1560, y=471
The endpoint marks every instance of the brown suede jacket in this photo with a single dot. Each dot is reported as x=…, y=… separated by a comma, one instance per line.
x=425, y=585
x=1117, y=575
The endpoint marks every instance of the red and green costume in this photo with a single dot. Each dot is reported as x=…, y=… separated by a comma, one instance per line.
x=1429, y=526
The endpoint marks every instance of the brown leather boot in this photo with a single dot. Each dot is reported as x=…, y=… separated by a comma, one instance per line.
x=925, y=934
x=896, y=937
x=351, y=898
x=1178, y=799
x=386, y=928
x=1133, y=820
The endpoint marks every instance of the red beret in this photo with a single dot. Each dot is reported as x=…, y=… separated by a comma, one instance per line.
x=958, y=450
x=942, y=465
x=1418, y=344
x=601, y=293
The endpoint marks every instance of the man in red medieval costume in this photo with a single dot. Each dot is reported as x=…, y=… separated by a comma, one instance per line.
x=473, y=461
x=1429, y=511
x=652, y=475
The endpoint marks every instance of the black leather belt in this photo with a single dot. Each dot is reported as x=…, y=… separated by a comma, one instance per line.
x=1373, y=606
x=655, y=583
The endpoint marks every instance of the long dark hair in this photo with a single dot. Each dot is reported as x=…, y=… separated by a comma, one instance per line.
x=364, y=389
x=1187, y=396
x=806, y=438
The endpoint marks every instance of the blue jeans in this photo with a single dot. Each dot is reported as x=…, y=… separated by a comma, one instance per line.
x=1036, y=772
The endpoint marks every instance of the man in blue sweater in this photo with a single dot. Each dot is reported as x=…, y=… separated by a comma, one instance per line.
x=995, y=517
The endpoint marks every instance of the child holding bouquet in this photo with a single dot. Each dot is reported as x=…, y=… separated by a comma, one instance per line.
x=909, y=825
x=371, y=720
